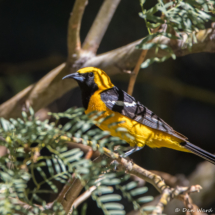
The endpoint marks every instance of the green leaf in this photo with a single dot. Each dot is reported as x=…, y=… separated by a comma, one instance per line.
x=148, y=208
x=84, y=209
x=153, y=10
x=147, y=62
x=56, y=165
x=113, y=181
x=82, y=170
x=24, y=115
x=116, y=212
x=103, y=190
x=75, y=157
x=145, y=199
x=50, y=167
x=142, y=2
x=138, y=191
x=70, y=153
x=153, y=18
x=114, y=205
x=5, y=124
x=31, y=111
x=110, y=198
x=131, y=185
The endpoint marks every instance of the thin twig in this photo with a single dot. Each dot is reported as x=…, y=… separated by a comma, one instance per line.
x=25, y=205
x=73, y=38
x=100, y=25
x=171, y=180
x=31, y=66
x=137, y=67
x=135, y=72
x=83, y=197
x=192, y=209
x=171, y=193
x=89, y=154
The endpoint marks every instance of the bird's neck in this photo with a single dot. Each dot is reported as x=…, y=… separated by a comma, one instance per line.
x=86, y=93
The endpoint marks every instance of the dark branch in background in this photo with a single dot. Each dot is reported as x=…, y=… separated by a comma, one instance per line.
x=100, y=25
x=33, y=65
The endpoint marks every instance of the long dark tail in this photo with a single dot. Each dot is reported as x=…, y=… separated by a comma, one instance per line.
x=200, y=152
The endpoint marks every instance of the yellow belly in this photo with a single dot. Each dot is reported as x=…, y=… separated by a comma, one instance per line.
x=142, y=134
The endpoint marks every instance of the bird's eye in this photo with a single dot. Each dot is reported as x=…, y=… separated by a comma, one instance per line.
x=91, y=74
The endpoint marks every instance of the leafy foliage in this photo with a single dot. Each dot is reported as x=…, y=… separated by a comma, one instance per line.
x=172, y=18
x=26, y=163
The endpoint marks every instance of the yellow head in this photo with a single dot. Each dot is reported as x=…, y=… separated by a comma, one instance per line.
x=91, y=78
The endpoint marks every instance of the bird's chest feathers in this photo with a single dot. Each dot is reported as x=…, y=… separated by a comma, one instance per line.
x=96, y=103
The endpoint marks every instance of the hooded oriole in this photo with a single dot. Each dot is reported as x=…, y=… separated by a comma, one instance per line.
x=99, y=94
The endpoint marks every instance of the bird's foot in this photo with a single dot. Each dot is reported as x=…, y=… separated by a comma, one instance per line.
x=131, y=151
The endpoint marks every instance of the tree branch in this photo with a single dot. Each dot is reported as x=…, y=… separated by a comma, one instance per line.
x=73, y=39
x=135, y=72
x=72, y=190
x=72, y=194
x=31, y=66
x=100, y=25
x=38, y=95
x=137, y=67
x=167, y=193
x=51, y=87
x=83, y=197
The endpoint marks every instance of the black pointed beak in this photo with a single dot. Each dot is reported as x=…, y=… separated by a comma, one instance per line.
x=77, y=76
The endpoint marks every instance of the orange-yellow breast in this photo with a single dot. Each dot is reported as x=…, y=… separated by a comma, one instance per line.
x=142, y=134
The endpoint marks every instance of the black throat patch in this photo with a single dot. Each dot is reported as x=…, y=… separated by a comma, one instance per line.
x=88, y=88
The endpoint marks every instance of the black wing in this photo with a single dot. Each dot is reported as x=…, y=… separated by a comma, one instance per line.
x=119, y=101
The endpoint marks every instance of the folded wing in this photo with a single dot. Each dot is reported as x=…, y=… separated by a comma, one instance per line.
x=119, y=101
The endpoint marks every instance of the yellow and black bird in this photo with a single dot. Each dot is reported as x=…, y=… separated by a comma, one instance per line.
x=99, y=94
